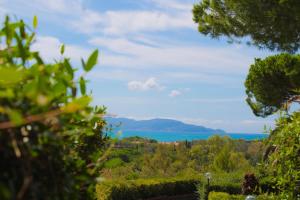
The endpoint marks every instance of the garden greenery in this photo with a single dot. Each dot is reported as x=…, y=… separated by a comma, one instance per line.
x=50, y=136
x=145, y=188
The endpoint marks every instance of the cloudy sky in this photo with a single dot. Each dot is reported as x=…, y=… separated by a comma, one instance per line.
x=153, y=63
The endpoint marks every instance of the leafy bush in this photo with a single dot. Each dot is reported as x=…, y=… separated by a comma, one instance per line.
x=226, y=196
x=221, y=182
x=144, y=188
x=50, y=136
x=250, y=184
x=284, y=162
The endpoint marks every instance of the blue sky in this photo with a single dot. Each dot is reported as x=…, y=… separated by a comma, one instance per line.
x=153, y=63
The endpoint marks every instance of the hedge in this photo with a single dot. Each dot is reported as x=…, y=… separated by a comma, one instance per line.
x=231, y=184
x=226, y=196
x=144, y=188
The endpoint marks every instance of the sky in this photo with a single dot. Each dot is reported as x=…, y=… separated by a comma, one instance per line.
x=153, y=62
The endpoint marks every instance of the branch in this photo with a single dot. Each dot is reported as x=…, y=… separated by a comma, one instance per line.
x=31, y=118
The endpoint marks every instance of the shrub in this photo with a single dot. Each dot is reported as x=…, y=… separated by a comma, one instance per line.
x=144, y=188
x=226, y=196
x=224, y=182
x=50, y=135
x=250, y=184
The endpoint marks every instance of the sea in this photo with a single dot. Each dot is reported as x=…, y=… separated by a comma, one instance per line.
x=173, y=137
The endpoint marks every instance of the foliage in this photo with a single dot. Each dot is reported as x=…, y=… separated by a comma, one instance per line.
x=273, y=83
x=284, y=162
x=265, y=22
x=228, y=160
x=50, y=136
x=221, y=182
x=226, y=196
x=144, y=188
x=250, y=184
x=152, y=160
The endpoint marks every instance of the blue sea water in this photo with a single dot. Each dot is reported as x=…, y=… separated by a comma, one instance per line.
x=173, y=137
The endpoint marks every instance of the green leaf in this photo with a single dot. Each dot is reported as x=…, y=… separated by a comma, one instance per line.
x=92, y=61
x=77, y=104
x=15, y=117
x=10, y=75
x=35, y=21
x=83, y=64
x=62, y=49
x=69, y=68
x=82, y=86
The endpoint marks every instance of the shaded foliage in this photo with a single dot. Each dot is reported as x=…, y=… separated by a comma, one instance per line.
x=265, y=22
x=273, y=83
x=50, y=136
x=283, y=163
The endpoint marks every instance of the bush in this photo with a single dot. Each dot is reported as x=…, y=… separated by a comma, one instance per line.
x=144, y=188
x=250, y=184
x=229, y=183
x=50, y=135
x=226, y=196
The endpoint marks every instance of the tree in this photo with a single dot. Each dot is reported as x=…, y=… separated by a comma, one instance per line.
x=228, y=160
x=273, y=83
x=272, y=24
x=50, y=136
x=284, y=162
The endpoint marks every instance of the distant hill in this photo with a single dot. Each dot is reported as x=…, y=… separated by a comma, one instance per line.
x=159, y=125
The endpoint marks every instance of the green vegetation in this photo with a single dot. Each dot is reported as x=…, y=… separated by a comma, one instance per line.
x=137, y=159
x=265, y=22
x=226, y=196
x=145, y=188
x=51, y=139
x=53, y=143
x=283, y=162
x=273, y=83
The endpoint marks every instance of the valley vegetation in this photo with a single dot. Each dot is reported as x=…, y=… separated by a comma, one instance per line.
x=54, y=143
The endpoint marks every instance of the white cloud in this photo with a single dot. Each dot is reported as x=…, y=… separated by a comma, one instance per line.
x=206, y=59
x=122, y=22
x=216, y=100
x=49, y=48
x=175, y=93
x=148, y=84
x=76, y=15
x=178, y=5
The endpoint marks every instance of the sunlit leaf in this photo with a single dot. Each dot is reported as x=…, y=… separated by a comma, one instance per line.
x=77, y=104
x=35, y=22
x=62, y=49
x=92, y=61
x=10, y=75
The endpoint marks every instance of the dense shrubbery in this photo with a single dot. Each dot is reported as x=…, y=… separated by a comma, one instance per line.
x=50, y=136
x=283, y=163
x=144, y=188
x=221, y=182
x=226, y=196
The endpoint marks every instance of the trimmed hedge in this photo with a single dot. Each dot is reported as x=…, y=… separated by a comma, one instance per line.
x=144, y=188
x=231, y=184
x=226, y=196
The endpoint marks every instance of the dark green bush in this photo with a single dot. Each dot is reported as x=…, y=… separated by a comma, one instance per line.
x=145, y=188
x=51, y=137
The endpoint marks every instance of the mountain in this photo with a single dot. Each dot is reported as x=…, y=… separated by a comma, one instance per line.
x=158, y=125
